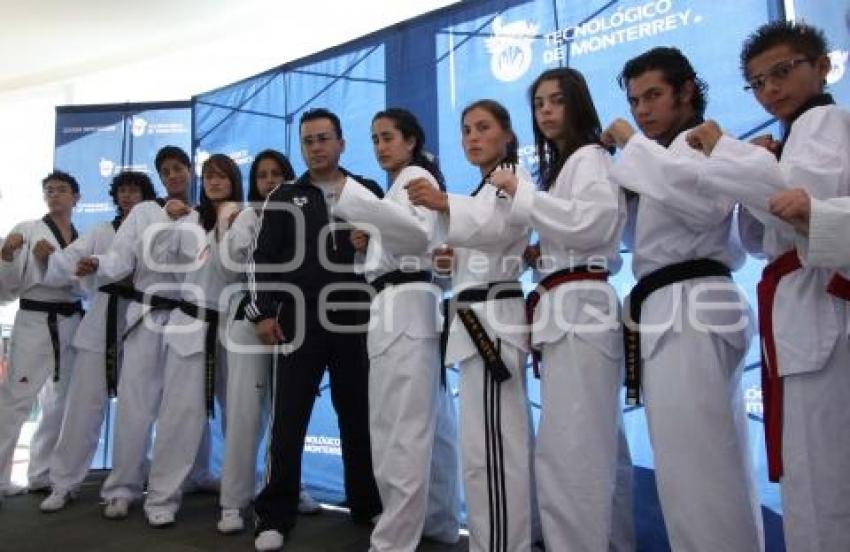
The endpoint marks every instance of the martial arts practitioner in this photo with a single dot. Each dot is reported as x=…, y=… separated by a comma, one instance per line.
x=405, y=388
x=823, y=223
x=96, y=343
x=688, y=326
x=489, y=337
x=196, y=243
x=802, y=309
x=41, y=356
x=582, y=464
x=152, y=380
x=304, y=305
x=249, y=361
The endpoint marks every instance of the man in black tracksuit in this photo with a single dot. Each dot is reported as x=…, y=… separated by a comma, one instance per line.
x=331, y=336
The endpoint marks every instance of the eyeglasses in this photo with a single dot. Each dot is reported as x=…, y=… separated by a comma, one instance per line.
x=778, y=72
x=320, y=138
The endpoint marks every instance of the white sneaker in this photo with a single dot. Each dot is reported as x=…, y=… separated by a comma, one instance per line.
x=231, y=521
x=57, y=500
x=13, y=490
x=116, y=508
x=160, y=518
x=307, y=504
x=268, y=540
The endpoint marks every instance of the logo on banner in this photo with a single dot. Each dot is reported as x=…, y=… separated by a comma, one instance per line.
x=838, y=59
x=510, y=48
x=138, y=127
x=106, y=167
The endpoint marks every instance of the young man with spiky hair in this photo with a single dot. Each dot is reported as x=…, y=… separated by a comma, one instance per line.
x=803, y=310
x=41, y=356
x=688, y=327
x=96, y=343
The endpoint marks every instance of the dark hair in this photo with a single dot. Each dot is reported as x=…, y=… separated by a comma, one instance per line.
x=282, y=162
x=223, y=163
x=63, y=177
x=502, y=116
x=406, y=123
x=581, y=122
x=804, y=39
x=321, y=113
x=171, y=152
x=675, y=68
x=131, y=178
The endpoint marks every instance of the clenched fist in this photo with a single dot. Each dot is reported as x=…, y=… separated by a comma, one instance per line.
x=13, y=243
x=618, y=134
x=704, y=137
x=794, y=207
x=423, y=193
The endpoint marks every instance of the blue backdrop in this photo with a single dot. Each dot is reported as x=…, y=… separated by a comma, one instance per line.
x=438, y=63
x=94, y=143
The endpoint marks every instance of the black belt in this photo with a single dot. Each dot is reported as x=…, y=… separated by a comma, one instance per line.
x=116, y=291
x=158, y=302
x=399, y=277
x=665, y=276
x=461, y=303
x=53, y=310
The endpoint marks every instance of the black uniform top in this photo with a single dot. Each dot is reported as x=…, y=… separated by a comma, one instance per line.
x=280, y=236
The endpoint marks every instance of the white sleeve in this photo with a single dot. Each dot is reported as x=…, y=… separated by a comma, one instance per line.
x=751, y=232
x=829, y=233
x=750, y=174
x=240, y=238
x=484, y=220
x=587, y=219
x=669, y=176
x=12, y=273
x=404, y=229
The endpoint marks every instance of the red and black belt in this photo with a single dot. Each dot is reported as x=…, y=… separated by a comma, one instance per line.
x=771, y=381
x=557, y=278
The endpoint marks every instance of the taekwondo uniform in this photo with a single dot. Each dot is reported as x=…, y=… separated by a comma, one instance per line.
x=95, y=369
x=157, y=383
x=41, y=357
x=404, y=373
x=692, y=357
x=581, y=455
x=803, y=319
x=495, y=419
x=248, y=380
x=828, y=244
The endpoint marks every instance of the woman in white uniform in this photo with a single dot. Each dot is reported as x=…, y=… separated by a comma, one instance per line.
x=406, y=396
x=96, y=363
x=582, y=461
x=489, y=337
x=249, y=369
